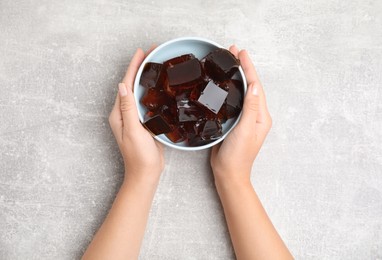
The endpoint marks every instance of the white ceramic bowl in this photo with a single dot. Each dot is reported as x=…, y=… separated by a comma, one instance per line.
x=200, y=48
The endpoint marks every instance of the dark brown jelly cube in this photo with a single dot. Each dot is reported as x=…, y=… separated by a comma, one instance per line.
x=197, y=141
x=220, y=64
x=195, y=94
x=157, y=125
x=208, y=114
x=170, y=91
x=212, y=97
x=154, y=99
x=232, y=112
x=177, y=135
x=234, y=101
x=181, y=89
x=188, y=111
x=184, y=75
x=209, y=129
x=222, y=115
x=235, y=93
x=169, y=112
x=188, y=128
x=152, y=75
x=177, y=60
x=149, y=114
x=196, y=91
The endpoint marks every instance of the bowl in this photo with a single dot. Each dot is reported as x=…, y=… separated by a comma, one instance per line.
x=200, y=48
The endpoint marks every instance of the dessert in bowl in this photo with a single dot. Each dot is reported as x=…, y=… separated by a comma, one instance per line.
x=189, y=93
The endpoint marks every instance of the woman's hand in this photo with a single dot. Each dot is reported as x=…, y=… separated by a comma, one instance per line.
x=121, y=234
x=232, y=160
x=252, y=234
x=142, y=155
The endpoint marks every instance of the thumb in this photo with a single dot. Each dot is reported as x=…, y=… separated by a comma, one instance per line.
x=128, y=108
x=250, y=107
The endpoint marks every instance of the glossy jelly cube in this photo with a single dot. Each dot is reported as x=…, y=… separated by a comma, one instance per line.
x=222, y=115
x=188, y=111
x=177, y=135
x=188, y=128
x=157, y=125
x=195, y=94
x=220, y=65
x=197, y=141
x=209, y=129
x=184, y=75
x=232, y=112
x=152, y=75
x=149, y=114
x=235, y=93
x=212, y=97
x=196, y=91
x=154, y=99
x=177, y=60
x=234, y=101
x=170, y=91
x=169, y=112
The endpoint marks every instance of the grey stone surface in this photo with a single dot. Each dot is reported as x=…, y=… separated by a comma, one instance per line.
x=319, y=173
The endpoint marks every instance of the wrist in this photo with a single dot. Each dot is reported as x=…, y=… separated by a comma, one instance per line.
x=232, y=180
x=146, y=178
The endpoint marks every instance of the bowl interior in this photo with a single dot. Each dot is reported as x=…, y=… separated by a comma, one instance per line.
x=200, y=48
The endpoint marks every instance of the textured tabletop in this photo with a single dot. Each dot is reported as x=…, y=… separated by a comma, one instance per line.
x=319, y=173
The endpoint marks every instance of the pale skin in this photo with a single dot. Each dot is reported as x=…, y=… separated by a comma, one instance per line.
x=252, y=233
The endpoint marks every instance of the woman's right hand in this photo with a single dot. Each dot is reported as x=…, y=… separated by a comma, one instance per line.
x=232, y=159
x=252, y=234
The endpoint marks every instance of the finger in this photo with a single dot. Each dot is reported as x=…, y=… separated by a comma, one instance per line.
x=215, y=149
x=159, y=145
x=263, y=115
x=252, y=78
x=234, y=50
x=115, y=119
x=248, y=68
x=136, y=61
x=152, y=47
x=128, y=108
x=250, y=108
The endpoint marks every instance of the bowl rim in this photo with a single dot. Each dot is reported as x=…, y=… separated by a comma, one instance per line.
x=137, y=101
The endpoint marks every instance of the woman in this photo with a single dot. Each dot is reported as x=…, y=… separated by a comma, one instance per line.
x=252, y=233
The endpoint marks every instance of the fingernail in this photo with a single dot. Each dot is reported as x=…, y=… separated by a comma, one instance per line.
x=122, y=89
x=255, y=91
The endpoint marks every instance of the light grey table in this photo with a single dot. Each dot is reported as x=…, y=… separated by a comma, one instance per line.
x=319, y=173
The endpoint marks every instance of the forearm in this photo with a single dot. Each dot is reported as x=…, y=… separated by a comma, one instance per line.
x=252, y=233
x=121, y=234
